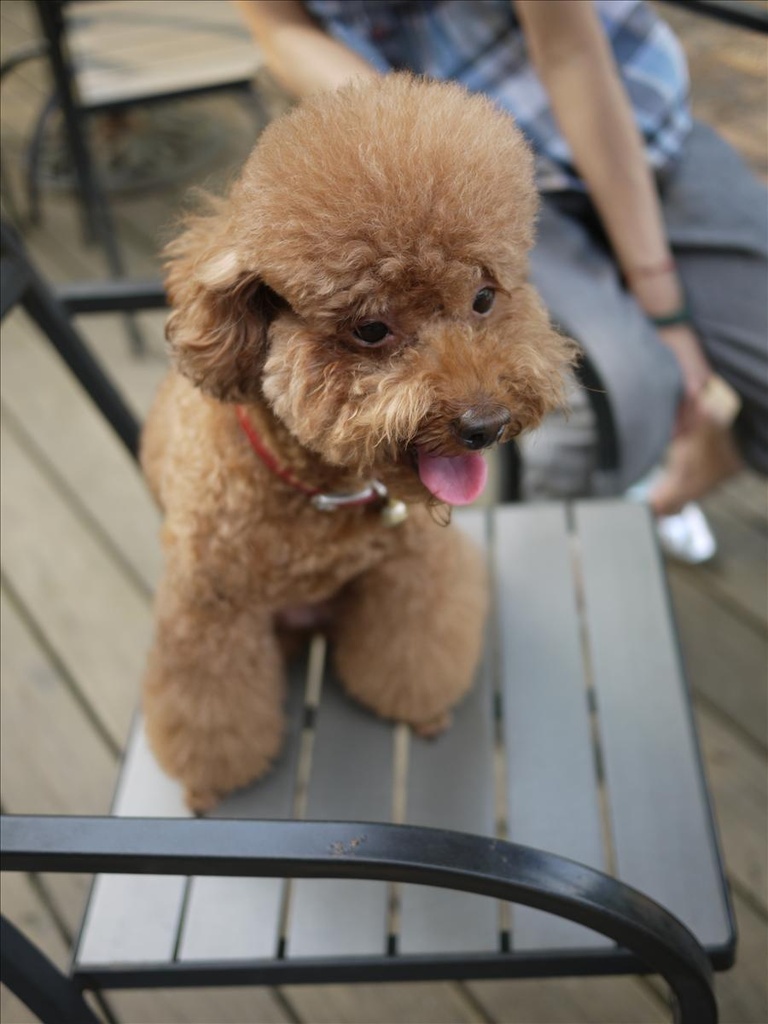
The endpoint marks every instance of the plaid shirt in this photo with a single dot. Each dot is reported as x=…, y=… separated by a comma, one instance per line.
x=480, y=44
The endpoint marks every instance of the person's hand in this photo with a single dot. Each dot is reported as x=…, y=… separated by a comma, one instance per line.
x=696, y=372
x=703, y=451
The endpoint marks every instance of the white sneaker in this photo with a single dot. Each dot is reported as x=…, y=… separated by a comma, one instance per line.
x=686, y=536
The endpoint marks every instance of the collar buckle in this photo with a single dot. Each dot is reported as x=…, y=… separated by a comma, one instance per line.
x=374, y=492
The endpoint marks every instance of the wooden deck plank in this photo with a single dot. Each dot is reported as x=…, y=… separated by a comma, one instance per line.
x=570, y=1001
x=74, y=441
x=747, y=494
x=139, y=378
x=35, y=694
x=42, y=727
x=91, y=613
x=738, y=779
x=725, y=656
x=60, y=253
x=739, y=572
x=387, y=1003
x=742, y=993
x=201, y=1006
x=19, y=14
x=56, y=247
x=26, y=88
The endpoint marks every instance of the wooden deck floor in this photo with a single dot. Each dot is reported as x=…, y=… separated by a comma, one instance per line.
x=80, y=559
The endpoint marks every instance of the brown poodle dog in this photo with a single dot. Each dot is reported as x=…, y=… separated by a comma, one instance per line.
x=351, y=328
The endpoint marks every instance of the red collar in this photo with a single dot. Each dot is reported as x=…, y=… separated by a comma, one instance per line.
x=374, y=493
x=266, y=455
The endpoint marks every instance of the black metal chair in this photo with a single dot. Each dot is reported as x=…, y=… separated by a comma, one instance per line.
x=443, y=852
x=108, y=57
x=111, y=57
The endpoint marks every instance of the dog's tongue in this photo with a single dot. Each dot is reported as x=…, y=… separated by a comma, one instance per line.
x=456, y=481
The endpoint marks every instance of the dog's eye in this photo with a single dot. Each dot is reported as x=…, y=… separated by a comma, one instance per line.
x=484, y=300
x=371, y=333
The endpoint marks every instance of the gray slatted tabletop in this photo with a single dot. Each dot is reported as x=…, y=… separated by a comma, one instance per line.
x=577, y=739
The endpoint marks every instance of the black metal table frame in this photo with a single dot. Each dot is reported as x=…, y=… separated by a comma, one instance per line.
x=649, y=939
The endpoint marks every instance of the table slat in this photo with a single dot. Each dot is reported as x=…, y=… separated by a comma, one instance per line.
x=450, y=785
x=351, y=781
x=551, y=778
x=239, y=918
x=135, y=918
x=661, y=825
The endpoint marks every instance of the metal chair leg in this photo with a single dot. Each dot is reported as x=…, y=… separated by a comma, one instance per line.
x=97, y=218
x=38, y=983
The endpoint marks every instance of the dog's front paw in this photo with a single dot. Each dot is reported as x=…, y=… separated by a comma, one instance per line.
x=200, y=799
x=432, y=728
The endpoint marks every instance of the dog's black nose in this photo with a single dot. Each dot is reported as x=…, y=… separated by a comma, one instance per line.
x=480, y=429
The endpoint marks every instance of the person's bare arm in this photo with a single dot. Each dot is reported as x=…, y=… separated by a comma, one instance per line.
x=573, y=59
x=302, y=57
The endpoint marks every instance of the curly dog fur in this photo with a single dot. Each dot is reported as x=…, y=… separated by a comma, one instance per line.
x=403, y=204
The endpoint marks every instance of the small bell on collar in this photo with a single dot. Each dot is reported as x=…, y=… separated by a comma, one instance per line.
x=393, y=512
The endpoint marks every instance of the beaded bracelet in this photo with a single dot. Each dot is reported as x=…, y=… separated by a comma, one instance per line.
x=680, y=316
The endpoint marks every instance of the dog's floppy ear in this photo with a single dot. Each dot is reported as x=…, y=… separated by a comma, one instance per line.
x=217, y=331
